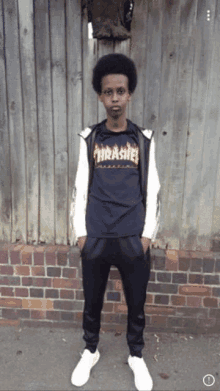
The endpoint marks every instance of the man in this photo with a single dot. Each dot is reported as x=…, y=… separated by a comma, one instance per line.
x=113, y=223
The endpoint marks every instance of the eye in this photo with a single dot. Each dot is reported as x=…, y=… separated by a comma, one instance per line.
x=108, y=92
x=121, y=91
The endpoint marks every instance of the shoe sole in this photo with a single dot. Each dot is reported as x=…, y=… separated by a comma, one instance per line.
x=82, y=384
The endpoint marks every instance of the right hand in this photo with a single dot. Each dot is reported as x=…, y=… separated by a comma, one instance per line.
x=81, y=242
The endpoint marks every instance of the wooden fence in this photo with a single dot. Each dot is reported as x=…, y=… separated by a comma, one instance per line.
x=46, y=61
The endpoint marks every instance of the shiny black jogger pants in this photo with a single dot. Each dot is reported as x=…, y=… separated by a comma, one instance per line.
x=126, y=253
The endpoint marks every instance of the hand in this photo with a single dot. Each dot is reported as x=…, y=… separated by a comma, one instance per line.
x=81, y=242
x=145, y=243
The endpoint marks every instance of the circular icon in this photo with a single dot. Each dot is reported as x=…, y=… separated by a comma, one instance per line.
x=208, y=380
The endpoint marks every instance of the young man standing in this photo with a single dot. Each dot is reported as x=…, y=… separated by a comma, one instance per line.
x=113, y=224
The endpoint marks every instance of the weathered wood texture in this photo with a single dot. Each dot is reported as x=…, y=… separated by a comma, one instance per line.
x=46, y=62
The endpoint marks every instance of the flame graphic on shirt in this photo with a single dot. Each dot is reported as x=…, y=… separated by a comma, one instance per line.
x=127, y=152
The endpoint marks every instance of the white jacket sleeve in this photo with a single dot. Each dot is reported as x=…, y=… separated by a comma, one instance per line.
x=151, y=224
x=79, y=196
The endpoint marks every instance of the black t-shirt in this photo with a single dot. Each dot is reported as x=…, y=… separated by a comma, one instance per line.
x=115, y=204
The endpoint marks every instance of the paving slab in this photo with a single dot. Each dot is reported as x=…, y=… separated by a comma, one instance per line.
x=43, y=359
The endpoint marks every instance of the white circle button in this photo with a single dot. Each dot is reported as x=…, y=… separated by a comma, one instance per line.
x=208, y=380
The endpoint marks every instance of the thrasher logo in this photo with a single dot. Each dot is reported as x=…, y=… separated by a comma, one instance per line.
x=128, y=152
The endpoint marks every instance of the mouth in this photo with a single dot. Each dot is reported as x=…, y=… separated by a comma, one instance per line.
x=116, y=108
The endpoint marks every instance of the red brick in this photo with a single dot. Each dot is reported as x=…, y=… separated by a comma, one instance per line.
x=67, y=294
x=193, y=301
x=38, y=258
x=158, y=321
x=11, y=280
x=3, y=256
x=178, y=300
x=78, y=316
x=54, y=271
x=37, y=271
x=172, y=260
x=150, y=299
x=53, y=315
x=118, y=285
x=121, y=308
x=9, y=313
x=159, y=310
x=7, y=322
x=42, y=282
x=196, y=279
x=38, y=314
x=69, y=273
x=15, y=258
x=22, y=270
x=6, y=270
x=5, y=291
x=26, y=256
x=10, y=302
x=44, y=304
x=51, y=259
x=62, y=258
x=27, y=281
x=66, y=305
x=210, y=302
x=63, y=248
x=21, y=292
x=114, y=275
x=195, y=290
x=52, y=294
x=68, y=283
x=111, y=318
x=108, y=307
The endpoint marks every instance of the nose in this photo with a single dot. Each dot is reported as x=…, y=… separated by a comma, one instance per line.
x=114, y=97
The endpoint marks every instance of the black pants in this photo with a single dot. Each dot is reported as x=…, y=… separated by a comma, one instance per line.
x=126, y=253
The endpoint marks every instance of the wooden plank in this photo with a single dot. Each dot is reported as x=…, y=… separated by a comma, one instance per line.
x=58, y=56
x=173, y=195
x=16, y=125
x=170, y=54
x=209, y=183
x=45, y=125
x=138, y=55
x=5, y=185
x=90, y=101
x=74, y=89
x=153, y=77
x=26, y=30
x=203, y=38
x=104, y=47
x=153, y=65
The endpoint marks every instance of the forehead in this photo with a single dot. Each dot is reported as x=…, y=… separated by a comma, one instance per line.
x=114, y=81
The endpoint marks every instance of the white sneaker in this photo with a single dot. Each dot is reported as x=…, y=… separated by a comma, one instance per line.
x=81, y=373
x=142, y=377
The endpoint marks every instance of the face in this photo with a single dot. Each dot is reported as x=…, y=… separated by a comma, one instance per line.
x=115, y=95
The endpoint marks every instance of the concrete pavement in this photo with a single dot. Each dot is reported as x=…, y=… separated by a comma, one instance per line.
x=43, y=359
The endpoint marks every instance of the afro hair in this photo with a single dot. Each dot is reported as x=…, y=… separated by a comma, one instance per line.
x=114, y=63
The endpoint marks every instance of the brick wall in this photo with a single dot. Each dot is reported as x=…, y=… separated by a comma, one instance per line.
x=43, y=286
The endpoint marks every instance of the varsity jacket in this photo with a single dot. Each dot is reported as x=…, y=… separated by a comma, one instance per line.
x=149, y=182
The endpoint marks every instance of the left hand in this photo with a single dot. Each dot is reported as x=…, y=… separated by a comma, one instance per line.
x=145, y=243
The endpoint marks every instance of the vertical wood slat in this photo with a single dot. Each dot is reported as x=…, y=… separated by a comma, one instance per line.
x=45, y=124
x=74, y=90
x=165, y=147
x=215, y=229
x=5, y=172
x=16, y=125
x=211, y=138
x=175, y=179
x=58, y=65
x=90, y=103
x=138, y=55
x=193, y=183
x=26, y=30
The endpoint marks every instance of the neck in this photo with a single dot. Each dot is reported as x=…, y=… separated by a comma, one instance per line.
x=116, y=125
